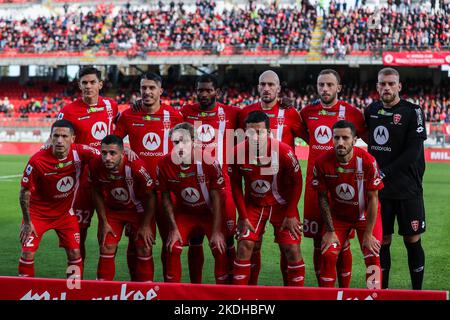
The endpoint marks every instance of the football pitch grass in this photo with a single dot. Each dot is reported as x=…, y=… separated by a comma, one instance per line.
x=50, y=260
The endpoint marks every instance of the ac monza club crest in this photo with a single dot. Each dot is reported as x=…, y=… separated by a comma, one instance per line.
x=280, y=121
x=201, y=178
x=415, y=225
x=166, y=124
x=396, y=117
x=221, y=116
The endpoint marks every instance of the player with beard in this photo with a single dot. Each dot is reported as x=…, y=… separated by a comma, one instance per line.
x=92, y=117
x=196, y=185
x=317, y=120
x=285, y=125
x=347, y=180
x=148, y=125
x=214, y=123
x=396, y=136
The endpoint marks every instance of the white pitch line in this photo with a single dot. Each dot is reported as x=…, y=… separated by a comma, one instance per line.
x=8, y=177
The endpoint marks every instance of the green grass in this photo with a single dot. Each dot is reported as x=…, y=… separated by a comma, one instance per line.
x=50, y=260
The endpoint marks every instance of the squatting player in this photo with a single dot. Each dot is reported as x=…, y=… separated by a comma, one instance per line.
x=123, y=194
x=347, y=180
x=396, y=136
x=198, y=208
x=317, y=120
x=273, y=186
x=50, y=183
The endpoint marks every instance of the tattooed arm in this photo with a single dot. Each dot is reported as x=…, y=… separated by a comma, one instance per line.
x=27, y=228
x=329, y=238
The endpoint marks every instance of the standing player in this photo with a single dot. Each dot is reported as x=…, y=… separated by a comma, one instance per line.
x=123, y=194
x=198, y=208
x=148, y=130
x=211, y=120
x=50, y=184
x=347, y=181
x=273, y=186
x=318, y=118
x=396, y=136
x=92, y=117
x=285, y=125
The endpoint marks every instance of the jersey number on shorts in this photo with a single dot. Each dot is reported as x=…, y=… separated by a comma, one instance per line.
x=310, y=226
x=29, y=242
x=80, y=215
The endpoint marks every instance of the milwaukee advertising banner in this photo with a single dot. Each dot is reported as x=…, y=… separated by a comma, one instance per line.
x=17, y=288
x=416, y=58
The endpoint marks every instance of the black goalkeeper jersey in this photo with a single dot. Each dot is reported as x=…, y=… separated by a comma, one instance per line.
x=396, y=137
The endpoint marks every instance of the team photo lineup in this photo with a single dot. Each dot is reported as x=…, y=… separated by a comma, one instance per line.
x=218, y=149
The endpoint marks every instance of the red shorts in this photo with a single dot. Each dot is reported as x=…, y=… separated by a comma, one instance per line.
x=66, y=227
x=118, y=220
x=344, y=228
x=194, y=225
x=275, y=214
x=229, y=212
x=84, y=204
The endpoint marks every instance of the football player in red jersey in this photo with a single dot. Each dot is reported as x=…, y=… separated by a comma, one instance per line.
x=148, y=126
x=50, y=183
x=285, y=125
x=92, y=117
x=123, y=194
x=347, y=180
x=317, y=120
x=196, y=186
x=273, y=186
x=214, y=123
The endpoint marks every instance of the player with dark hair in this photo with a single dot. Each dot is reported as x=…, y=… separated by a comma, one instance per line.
x=148, y=126
x=396, y=135
x=317, y=120
x=285, y=125
x=92, y=117
x=197, y=210
x=273, y=186
x=123, y=194
x=347, y=181
x=214, y=124
x=50, y=183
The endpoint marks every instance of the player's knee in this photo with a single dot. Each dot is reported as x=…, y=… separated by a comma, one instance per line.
x=292, y=252
x=108, y=249
x=27, y=255
x=411, y=239
x=73, y=254
x=330, y=255
x=144, y=251
x=387, y=239
x=245, y=249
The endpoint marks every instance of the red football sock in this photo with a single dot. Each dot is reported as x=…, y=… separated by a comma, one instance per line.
x=79, y=264
x=145, y=268
x=373, y=272
x=328, y=269
x=255, y=267
x=220, y=266
x=26, y=267
x=196, y=259
x=241, y=272
x=317, y=261
x=344, y=267
x=106, y=268
x=132, y=259
x=296, y=274
x=174, y=263
x=284, y=269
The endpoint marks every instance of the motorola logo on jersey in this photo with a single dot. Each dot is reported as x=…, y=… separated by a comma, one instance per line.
x=205, y=133
x=260, y=186
x=120, y=194
x=190, y=195
x=381, y=135
x=99, y=130
x=322, y=134
x=151, y=141
x=64, y=184
x=345, y=191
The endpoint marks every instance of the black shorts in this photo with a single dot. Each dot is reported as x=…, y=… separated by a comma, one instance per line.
x=410, y=216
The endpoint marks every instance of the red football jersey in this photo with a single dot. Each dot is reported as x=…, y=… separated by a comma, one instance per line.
x=91, y=123
x=318, y=122
x=124, y=190
x=284, y=123
x=54, y=182
x=270, y=184
x=347, y=185
x=149, y=133
x=190, y=186
x=211, y=128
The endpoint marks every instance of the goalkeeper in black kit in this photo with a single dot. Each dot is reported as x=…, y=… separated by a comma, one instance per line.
x=396, y=135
